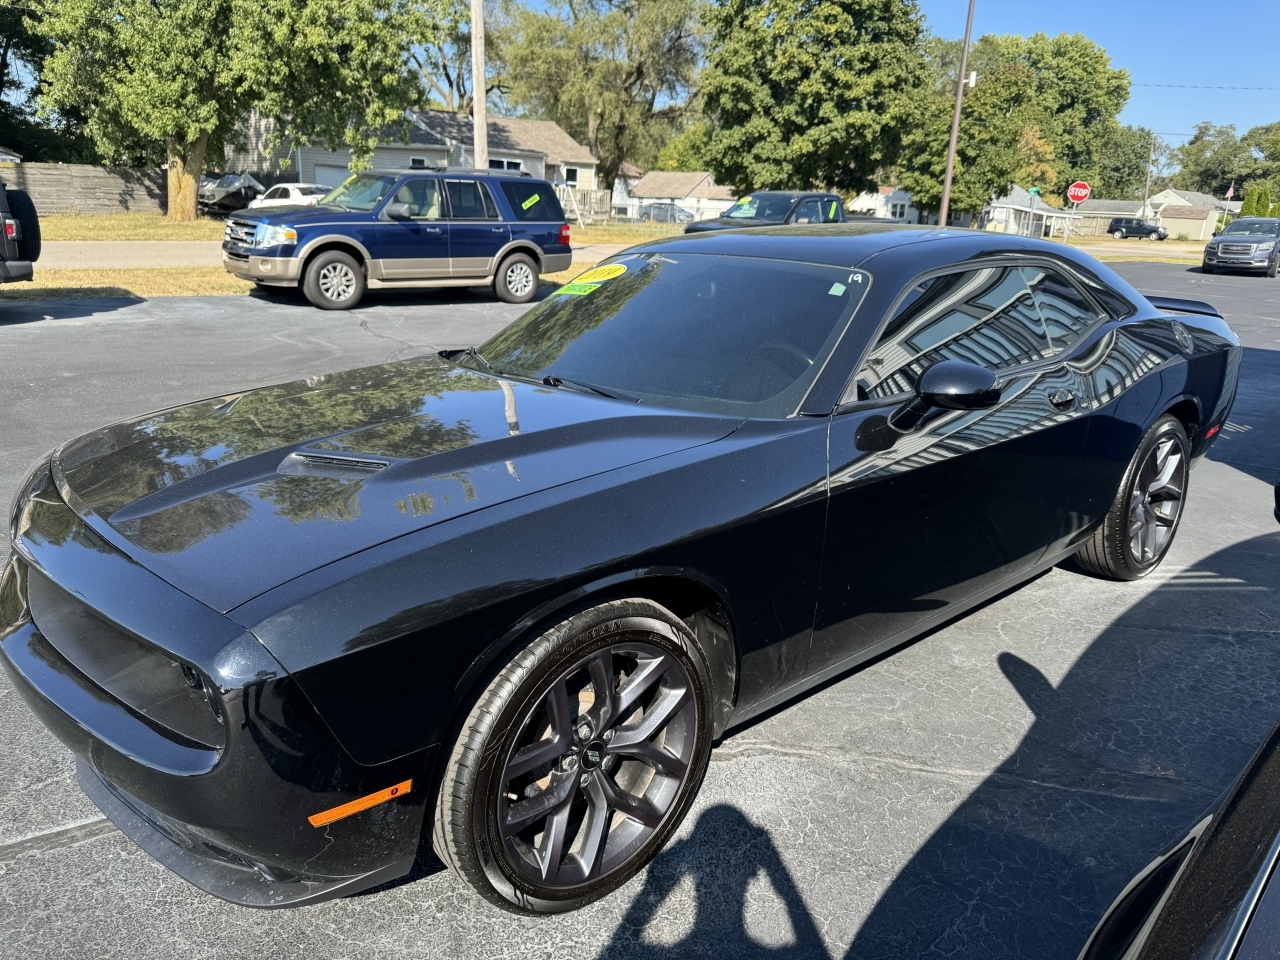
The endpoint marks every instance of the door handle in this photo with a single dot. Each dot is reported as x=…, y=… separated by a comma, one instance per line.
x=499, y=229
x=1063, y=399
x=433, y=229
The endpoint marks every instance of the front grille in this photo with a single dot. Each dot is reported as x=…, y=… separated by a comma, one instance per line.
x=1237, y=248
x=240, y=231
x=147, y=681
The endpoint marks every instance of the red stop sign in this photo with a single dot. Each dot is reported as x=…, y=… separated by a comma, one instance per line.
x=1078, y=192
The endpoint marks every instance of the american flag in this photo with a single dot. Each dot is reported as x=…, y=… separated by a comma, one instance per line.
x=1231, y=190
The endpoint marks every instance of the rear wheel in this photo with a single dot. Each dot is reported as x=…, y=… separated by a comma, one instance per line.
x=1139, y=528
x=334, y=281
x=578, y=761
x=1118, y=234
x=24, y=211
x=517, y=279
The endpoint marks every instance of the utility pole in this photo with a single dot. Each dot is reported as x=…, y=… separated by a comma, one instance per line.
x=955, y=121
x=1146, y=191
x=481, y=128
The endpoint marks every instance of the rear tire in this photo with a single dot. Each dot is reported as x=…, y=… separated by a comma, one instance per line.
x=334, y=281
x=1119, y=234
x=24, y=211
x=1139, y=528
x=517, y=279
x=554, y=795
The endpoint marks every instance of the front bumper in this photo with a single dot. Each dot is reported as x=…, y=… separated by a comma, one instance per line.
x=1236, y=262
x=230, y=818
x=275, y=271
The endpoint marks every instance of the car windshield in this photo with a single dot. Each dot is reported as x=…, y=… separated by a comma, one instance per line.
x=1253, y=228
x=767, y=207
x=362, y=192
x=721, y=334
x=312, y=191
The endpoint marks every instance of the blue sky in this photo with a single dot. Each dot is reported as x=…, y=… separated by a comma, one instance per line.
x=1170, y=42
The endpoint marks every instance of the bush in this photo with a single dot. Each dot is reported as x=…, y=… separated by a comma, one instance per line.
x=1183, y=236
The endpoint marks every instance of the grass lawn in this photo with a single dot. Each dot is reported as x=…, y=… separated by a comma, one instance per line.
x=622, y=232
x=142, y=282
x=564, y=276
x=127, y=226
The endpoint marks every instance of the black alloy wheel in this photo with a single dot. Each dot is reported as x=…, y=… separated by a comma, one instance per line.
x=578, y=761
x=1140, y=526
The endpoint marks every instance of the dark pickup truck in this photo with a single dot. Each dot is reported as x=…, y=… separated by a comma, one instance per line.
x=421, y=228
x=19, y=235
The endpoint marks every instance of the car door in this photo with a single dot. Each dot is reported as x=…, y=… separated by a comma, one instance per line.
x=967, y=500
x=476, y=233
x=415, y=247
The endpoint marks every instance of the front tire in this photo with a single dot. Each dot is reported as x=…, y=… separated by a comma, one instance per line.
x=1205, y=268
x=334, y=281
x=579, y=760
x=1140, y=526
x=517, y=279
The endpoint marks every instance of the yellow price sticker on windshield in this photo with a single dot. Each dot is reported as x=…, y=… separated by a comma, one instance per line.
x=607, y=272
x=578, y=289
x=530, y=202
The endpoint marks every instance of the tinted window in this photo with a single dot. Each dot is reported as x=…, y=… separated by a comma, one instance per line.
x=987, y=317
x=737, y=335
x=532, y=200
x=808, y=212
x=1067, y=314
x=490, y=208
x=422, y=197
x=465, y=200
x=830, y=209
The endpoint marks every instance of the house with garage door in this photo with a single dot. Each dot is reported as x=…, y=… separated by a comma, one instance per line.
x=427, y=138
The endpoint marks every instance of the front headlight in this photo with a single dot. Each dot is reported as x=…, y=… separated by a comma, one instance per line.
x=276, y=236
x=1264, y=247
x=33, y=478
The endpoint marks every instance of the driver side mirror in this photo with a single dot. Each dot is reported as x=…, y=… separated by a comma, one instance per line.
x=397, y=211
x=947, y=385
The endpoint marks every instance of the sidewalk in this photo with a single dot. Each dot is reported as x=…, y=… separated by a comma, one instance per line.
x=114, y=255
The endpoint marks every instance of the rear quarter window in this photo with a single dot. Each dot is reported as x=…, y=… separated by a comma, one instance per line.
x=532, y=200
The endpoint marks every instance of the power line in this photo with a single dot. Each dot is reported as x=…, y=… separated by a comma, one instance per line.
x=1195, y=86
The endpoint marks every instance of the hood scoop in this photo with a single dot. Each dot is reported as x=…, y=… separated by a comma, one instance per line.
x=334, y=466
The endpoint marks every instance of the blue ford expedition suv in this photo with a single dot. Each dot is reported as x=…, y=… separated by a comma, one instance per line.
x=400, y=230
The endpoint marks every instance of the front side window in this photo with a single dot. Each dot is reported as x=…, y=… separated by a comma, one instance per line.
x=466, y=202
x=986, y=316
x=771, y=208
x=723, y=334
x=422, y=197
x=362, y=192
x=277, y=193
x=808, y=212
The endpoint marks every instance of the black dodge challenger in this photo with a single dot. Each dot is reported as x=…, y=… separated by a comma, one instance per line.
x=507, y=598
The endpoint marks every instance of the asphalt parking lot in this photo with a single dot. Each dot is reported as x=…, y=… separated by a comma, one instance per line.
x=984, y=792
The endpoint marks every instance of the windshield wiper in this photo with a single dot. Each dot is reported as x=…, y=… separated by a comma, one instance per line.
x=474, y=354
x=583, y=385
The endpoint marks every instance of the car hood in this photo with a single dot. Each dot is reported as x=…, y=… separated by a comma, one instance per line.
x=296, y=216
x=231, y=496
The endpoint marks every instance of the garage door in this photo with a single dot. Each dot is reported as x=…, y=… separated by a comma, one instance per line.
x=331, y=176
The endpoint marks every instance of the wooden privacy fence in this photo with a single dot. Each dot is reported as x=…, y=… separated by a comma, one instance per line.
x=83, y=188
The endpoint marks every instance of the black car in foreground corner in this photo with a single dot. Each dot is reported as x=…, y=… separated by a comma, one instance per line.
x=508, y=597
x=771, y=208
x=1212, y=894
x=1250, y=244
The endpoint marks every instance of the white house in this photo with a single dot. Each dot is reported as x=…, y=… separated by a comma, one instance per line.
x=885, y=203
x=696, y=192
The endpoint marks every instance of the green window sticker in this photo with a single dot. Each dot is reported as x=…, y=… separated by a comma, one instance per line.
x=836, y=289
x=832, y=214
x=530, y=202
x=578, y=289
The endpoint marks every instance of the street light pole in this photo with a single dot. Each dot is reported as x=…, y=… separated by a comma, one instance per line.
x=480, y=125
x=955, y=121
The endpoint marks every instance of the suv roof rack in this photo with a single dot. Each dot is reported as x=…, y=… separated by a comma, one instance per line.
x=471, y=170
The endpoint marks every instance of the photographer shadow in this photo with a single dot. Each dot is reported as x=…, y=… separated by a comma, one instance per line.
x=745, y=903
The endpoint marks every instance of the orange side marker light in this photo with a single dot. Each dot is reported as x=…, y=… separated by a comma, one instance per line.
x=326, y=817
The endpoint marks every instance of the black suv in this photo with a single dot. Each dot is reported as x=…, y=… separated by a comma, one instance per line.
x=20, y=243
x=772, y=207
x=1124, y=227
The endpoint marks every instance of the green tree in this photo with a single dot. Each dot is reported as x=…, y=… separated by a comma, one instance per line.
x=1249, y=206
x=615, y=74
x=806, y=94
x=1262, y=207
x=1212, y=160
x=688, y=151
x=445, y=60
x=185, y=73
